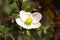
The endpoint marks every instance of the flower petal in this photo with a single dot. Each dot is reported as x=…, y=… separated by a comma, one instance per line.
x=19, y=22
x=37, y=17
x=27, y=27
x=29, y=14
x=37, y=25
x=23, y=15
x=33, y=26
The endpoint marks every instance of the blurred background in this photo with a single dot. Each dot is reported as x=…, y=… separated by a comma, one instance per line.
x=49, y=30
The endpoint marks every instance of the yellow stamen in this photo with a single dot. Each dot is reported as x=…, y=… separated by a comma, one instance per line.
x=28, y=21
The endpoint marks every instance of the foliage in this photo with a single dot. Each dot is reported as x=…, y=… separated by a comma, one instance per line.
x=12, y=8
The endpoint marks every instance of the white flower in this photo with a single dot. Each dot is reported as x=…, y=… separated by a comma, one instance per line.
x=28, y=20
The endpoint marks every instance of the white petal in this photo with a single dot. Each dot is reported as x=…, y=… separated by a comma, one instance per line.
x=23, y=15
x=33, y=26
x=37, y=17
x=37, y=25
x=29, y=14
x=19, y=22
x=27, y=27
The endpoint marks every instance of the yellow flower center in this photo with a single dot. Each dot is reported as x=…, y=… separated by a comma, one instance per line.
x=28, y=21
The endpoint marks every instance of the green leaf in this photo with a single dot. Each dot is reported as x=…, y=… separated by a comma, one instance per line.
x=26, y=6
x=4, y=29
x=15, y=9
x=15, y=33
